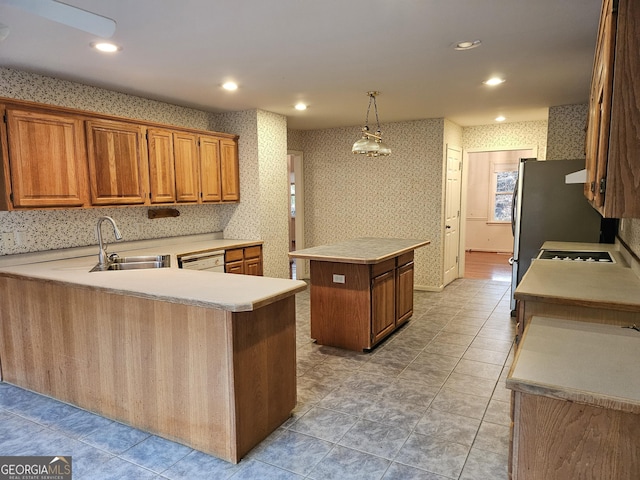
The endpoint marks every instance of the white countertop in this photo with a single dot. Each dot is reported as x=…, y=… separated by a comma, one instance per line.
x=605, y=285
x=235, y=293
x=585, y=362
x=360, y=250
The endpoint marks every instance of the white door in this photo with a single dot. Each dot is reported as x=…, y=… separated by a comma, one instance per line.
x=452, y=214
x=296, y=162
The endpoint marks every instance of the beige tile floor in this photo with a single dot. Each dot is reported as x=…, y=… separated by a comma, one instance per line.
x=429, y=403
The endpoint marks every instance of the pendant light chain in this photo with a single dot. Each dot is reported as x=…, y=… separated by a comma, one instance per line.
x=370, y=144
x=366, y=120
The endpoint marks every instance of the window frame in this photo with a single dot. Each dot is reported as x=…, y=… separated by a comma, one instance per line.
x=496, y=168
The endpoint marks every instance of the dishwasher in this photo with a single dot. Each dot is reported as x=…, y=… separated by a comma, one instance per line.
x=211, y=261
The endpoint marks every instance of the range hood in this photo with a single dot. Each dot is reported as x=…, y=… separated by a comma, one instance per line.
x=576, y=177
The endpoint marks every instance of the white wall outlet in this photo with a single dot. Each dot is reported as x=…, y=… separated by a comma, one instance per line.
x=338, y=278
x=20, y=237
x=139, y=228
x=7, y=239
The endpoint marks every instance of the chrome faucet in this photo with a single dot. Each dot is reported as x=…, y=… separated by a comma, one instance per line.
x=102, y=253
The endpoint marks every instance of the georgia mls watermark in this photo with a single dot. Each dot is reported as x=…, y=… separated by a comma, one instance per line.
x=35, y=468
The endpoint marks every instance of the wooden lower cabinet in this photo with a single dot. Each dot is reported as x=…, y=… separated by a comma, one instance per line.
x=355, y=306
x=215, y=380
x=246, y=260
x=556, y=439
x=383, y=311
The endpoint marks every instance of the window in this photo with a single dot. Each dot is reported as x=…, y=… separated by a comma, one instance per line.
x=503, y=181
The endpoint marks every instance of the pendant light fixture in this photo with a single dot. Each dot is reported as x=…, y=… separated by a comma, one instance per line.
x=371, y=144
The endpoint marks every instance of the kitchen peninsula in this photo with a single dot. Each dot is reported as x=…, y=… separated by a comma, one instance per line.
x=361, y=290
x=206, y=359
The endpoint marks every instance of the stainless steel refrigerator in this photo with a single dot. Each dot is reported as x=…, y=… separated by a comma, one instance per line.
x=547, y=208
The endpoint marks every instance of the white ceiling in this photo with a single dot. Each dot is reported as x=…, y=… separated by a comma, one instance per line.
x=328, y=54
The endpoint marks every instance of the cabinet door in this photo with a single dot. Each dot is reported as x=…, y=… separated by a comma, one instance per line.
x=404, y=293
x=161, y=166
x=185, y=146
x=210, y=169
x=117, y=163
x=383, y=305
x=47, y=160
x=234, y=267
x=229, y=171
x=253, y=266
x=599, y=122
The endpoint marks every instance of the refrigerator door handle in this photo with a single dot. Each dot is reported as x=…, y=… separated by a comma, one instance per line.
x=514, y=203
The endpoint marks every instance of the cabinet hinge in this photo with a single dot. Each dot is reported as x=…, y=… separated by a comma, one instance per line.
x=4, y=118
x=146, y=135
x=603, y=185
x=614, y=6
x=11, y=197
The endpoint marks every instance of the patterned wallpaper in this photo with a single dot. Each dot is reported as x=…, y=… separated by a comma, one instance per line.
x=566, y=133
x=53, y=91
x=295, y=140
x=261, y=214
x=54, y=229
x=263, y=210
x=349, y=196
x=507, y=135
x=274, y=192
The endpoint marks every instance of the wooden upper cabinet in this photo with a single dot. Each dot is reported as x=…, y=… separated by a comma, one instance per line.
x=613, y=131
x=210, y=169
x=60, y=157
x=185, y=147
x=46, y=160
x=162, y=181
x=229, y=170
x=117, y=162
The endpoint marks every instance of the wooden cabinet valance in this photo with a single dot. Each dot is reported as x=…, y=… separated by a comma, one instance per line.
x=55, y=157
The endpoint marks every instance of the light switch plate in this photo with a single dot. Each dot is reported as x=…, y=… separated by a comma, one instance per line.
x=338, y=278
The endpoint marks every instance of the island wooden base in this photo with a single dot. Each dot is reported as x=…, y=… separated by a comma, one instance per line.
x=355, y=306
x=214, y=380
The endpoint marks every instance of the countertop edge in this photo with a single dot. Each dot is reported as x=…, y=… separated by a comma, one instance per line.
x=576, y=302
x=572, y=395
x=356, y=260
x=230, y=307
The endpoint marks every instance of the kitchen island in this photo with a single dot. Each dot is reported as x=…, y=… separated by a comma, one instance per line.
x=361, y=290
x=202, y=358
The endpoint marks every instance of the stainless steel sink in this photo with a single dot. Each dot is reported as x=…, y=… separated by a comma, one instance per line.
x=134, y=263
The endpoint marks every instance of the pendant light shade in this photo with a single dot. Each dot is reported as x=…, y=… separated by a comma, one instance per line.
x=370, y=144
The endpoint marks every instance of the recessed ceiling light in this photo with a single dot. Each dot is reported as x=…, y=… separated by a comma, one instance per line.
x=300, y=106
x=500, y=118
x=231, y=86
x=106, y=47
x=467, y=45
x=494, y=81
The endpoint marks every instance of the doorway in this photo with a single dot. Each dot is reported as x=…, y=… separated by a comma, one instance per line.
x=297, y=267
x=489, y=178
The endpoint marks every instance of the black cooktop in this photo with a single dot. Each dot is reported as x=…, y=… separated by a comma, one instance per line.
x=576, y=256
